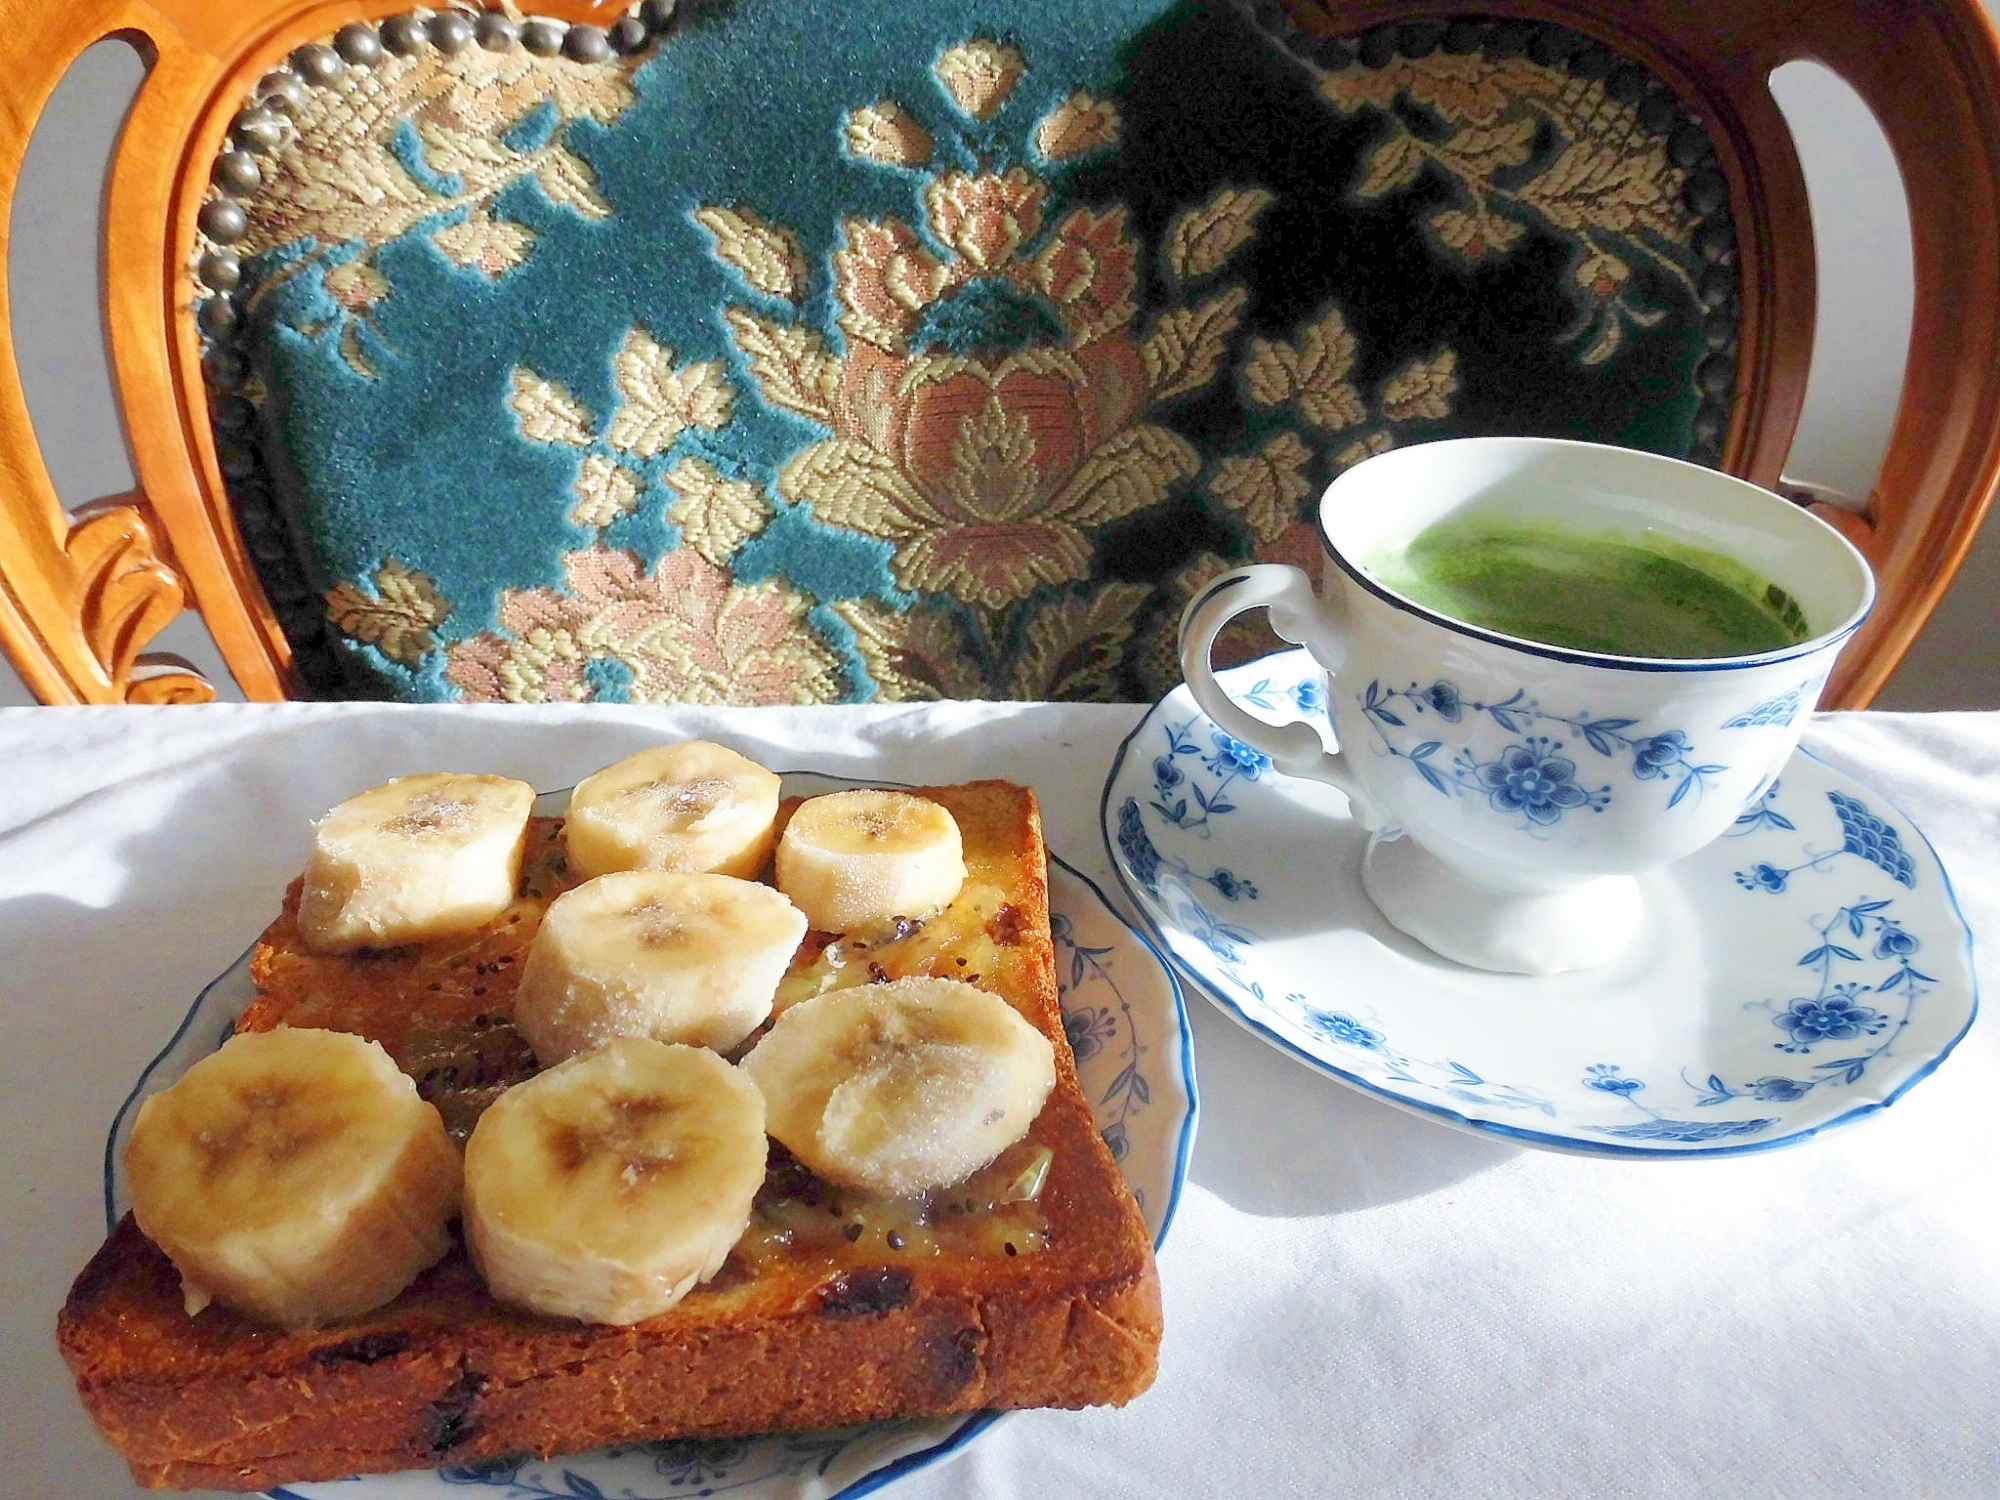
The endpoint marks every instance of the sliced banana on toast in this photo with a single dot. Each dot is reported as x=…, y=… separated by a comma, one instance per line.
x=419, y=857
x=608, y=1187
x=895, y=1088
x=858, y=859
x=294, y=1175
x=679, y=958
x=697, y=808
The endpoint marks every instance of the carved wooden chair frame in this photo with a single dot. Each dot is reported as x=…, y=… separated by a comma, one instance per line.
x=82, y=595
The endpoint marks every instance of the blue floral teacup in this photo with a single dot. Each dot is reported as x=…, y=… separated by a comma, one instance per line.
x=1515, y=788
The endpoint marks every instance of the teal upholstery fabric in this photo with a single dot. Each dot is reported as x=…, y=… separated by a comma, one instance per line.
x=921, y=349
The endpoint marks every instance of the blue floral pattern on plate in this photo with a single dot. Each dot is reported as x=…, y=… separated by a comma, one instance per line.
x=1534, y=777
x=1123, y=1011
x=1825, y=970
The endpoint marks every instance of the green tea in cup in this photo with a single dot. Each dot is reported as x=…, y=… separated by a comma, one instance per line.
x=1622, y=594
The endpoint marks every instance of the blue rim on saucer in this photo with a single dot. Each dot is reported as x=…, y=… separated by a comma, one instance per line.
x=1717, y=1035
x=1114, y=1016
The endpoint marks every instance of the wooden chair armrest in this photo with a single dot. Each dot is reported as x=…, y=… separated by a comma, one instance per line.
x=79, y=596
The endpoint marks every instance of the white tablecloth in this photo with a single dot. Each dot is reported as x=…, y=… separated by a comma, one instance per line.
x=1359, y=1302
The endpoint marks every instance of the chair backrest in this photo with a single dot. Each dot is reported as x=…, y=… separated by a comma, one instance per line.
x=759, y=351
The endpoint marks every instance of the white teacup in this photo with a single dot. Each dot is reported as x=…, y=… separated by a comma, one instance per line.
x=1514, y=789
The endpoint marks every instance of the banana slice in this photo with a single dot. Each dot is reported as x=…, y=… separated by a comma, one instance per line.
x=418, y=857
x=679, y=958
x=895, y=1088
x=852, y=859
x=607, y=1187
x=696, y=807
x=294, y=1175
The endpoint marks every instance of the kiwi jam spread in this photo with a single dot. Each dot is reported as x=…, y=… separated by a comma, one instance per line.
x=1626, y=595
x=993, y=1212
x=464, y=1054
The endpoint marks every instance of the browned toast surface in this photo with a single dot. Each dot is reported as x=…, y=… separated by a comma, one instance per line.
x=830, y=1311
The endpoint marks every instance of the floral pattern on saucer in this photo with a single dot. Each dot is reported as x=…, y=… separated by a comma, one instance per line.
x=1823, y=967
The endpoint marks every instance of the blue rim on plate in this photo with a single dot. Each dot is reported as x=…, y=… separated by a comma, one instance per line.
x=1330, y=1047
x=209, y=1020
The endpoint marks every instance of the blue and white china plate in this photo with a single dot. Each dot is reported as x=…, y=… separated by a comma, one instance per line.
x=1799, y=973
x=1127, y=1025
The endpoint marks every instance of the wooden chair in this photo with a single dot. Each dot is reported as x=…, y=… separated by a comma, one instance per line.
x=1166, y=254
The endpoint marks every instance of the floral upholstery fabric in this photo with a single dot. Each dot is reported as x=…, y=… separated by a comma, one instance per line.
x=942, y=354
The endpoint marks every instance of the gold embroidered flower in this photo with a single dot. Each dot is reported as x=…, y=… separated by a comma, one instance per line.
x=1088, y=270
x=683, y=634
x=884, y=277
x=1001, y=505
x=979, y=75
x=989, y=414
x=985, y=218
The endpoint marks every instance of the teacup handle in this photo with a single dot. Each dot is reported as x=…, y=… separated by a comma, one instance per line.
x=1295, y=616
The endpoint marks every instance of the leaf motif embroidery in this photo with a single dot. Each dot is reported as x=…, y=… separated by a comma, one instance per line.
x=684, y=634
x=767, y=255
x=1395, y=164
x=850, y=484
x=1265, y=488
x=486, y=244
x=351, y=351
x=399, y=620
x=1422, y=389
x=1605, y=180
x=604, y=491
x=662, y=402
x=1128, y=474
x=1375, y=442
x=1313, y=372
x=570, y=183
x=791, y=364
x=916, y=655
x=1474, y=235
x=1072, y=645
x=1201, y=240
x=1187, y=343
x=548, y=413
x=1482, y=150
x=716, y=515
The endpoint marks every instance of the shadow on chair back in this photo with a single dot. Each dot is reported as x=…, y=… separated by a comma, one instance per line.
x=748, y=352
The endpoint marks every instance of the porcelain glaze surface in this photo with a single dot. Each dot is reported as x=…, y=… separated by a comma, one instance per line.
x=1799, y=972
x=1127, y=1025
x=1521, y=768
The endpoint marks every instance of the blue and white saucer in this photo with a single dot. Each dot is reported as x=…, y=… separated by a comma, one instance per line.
x=1799, y=973
x=1128, y=1028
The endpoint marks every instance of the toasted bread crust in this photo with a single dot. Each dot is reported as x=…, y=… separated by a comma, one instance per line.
x=444, y=1374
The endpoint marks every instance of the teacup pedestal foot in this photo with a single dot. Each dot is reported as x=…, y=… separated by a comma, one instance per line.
x=1506, y=931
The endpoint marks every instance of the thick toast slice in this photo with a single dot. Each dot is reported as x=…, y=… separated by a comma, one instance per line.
x=830, y=1311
